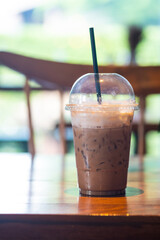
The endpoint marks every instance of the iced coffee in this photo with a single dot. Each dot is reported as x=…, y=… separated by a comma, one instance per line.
x=102, y=143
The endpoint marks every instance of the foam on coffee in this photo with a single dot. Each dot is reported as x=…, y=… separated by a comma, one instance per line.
x=101, y=119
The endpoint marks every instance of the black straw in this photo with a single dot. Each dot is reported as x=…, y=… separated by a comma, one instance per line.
x=95, y=65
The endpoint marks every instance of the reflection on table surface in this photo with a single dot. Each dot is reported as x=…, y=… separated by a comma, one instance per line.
x=48, y=185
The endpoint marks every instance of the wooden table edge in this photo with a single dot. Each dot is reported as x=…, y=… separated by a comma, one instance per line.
x=74, y=219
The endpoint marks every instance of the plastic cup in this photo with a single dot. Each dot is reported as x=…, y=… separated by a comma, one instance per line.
x=102, y=133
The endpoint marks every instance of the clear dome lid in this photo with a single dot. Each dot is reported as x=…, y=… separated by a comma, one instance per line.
x=116, y=92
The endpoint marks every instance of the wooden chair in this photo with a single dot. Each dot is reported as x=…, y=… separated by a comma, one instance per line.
x=61, y=76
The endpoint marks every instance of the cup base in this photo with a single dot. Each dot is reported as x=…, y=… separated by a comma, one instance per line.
x=111, y=193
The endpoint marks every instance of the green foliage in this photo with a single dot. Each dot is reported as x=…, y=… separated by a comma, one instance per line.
x=11, y=105
x=140, y=12
x=36, y=42
x=128, y=12
x=149, y=48
x=152, y=111
x=153, y=142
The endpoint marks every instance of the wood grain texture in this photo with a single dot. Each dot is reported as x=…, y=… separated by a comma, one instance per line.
x=40, y=200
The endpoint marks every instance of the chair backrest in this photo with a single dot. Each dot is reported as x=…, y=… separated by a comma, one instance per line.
x=61, y=76
x=145, y=80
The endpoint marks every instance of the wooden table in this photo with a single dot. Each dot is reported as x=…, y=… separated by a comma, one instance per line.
x=40, y=200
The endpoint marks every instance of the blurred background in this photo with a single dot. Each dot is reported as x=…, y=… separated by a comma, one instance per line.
x=127, y=32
